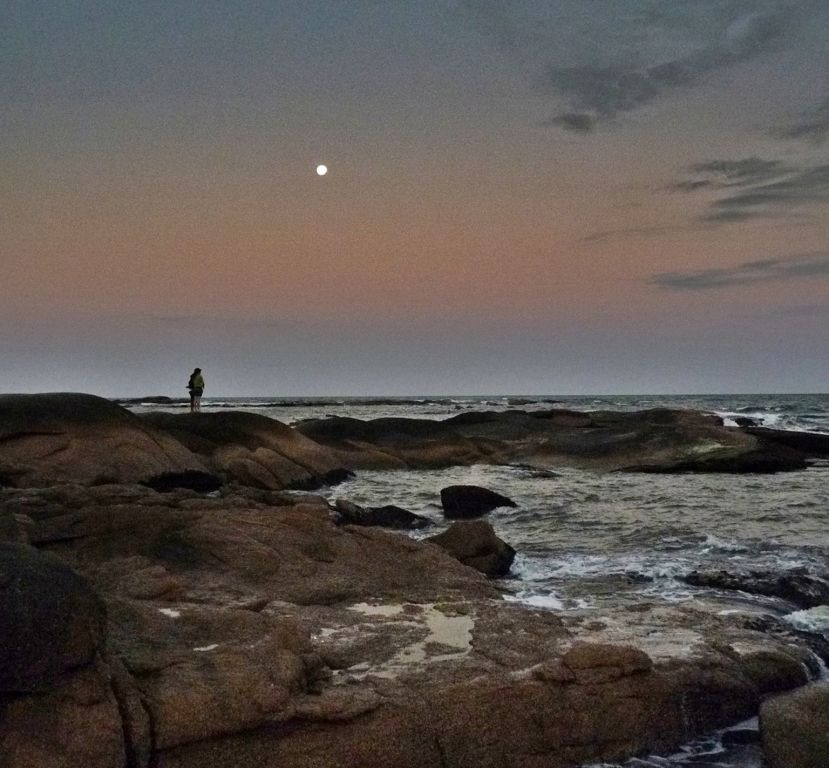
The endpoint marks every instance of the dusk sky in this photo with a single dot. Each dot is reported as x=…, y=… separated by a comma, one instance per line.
x=561, y=197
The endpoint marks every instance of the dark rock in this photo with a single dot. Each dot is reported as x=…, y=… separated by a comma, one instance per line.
x=59, y=438
x=794, y=728
x=50, y=620
x=656, y=440
x=797, y=587
x=388, y=516
x=812, y=444
x=740, y=736
x=202, y=482
x=466, y=501
x=745, y=421
x=476, y=545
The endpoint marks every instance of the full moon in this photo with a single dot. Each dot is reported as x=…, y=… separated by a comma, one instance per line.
x=322, y=170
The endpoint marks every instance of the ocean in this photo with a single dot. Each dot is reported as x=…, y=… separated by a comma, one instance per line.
x=591, y=542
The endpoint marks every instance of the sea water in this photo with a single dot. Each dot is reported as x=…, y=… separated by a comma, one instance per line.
x=593, y=540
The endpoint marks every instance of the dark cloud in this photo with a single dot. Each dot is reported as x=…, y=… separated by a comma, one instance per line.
x=608, y=90
x=813, y=126
x=754, y=188
x=813, y=265
x=578, y=122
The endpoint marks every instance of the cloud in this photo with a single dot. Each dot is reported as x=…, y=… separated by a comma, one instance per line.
x=604, y=59
x=578, y=122
x=812, y=126
x=645, y=231
x=754, y=188
x=811, y=265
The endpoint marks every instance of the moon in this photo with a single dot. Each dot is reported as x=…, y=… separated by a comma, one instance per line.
x=322, y=170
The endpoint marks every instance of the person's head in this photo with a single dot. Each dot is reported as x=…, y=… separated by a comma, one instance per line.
x=197, y=370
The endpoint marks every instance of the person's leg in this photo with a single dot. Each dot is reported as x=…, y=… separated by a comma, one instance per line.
x=192, y=402
x=198, y=403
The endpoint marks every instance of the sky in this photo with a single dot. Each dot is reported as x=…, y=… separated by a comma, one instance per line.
x=533, y=197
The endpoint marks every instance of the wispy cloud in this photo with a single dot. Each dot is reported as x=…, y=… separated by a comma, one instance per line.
x=624, y=232
x=811, y=265
x=812, y=126
x=621, y=56
x=755, y=188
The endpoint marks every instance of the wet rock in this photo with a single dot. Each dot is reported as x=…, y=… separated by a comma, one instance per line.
x=50, y=620
x=794, y=728
x=475, y=544
x=810, y=443
x=465, y=501
x=797, y=586
x=740, y=736
x=58, y=438
x=388, y=516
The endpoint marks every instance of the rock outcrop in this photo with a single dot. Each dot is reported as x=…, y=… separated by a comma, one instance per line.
x=59, y=438
x=248, y=629
x=794, y=728
x=461, y=502
x=475, y=544
x=658, y=440
x=252, y=449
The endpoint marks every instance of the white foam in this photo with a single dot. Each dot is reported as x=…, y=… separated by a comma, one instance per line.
x=171, y=612
x=548, y=601
x=205, y=648
x=811, y=619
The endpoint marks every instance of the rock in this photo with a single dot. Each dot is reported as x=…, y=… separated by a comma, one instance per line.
x=810, y=443
x=50, y=620
x=201, y=482
x=389, y=516
x=794, y=728
x=600, y=663
x=179, y=546
x=797, y=586
x=248, y=629
x=59, y=438
x=657, y=440
x=465, y=501
x=475, y=544
x=252, y=449
x=77, y=722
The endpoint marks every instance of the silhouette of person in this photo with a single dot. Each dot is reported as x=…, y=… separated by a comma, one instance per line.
x=196, y=387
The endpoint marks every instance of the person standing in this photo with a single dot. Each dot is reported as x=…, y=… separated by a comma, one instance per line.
x=196, y=387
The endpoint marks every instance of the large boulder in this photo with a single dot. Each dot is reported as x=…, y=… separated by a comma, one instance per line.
x=50, y=620
x=49, y=439
x=466, y=501
x=252, y=449
x=794, y=728
x=475, y=544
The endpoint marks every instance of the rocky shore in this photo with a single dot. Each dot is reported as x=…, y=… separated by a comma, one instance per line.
x=172, y=595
